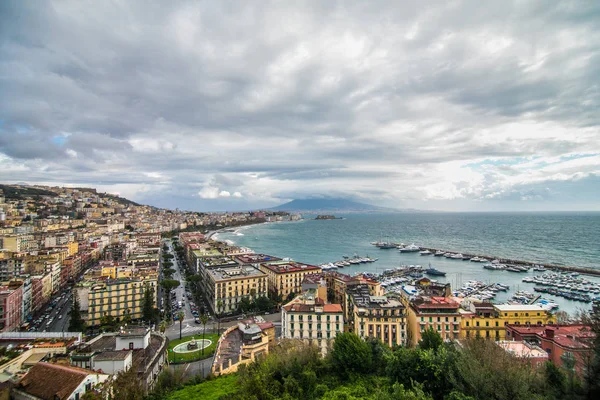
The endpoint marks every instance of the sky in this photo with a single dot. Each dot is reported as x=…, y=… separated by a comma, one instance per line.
x=236, y=105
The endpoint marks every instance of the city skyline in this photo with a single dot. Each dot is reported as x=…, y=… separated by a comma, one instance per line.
x=238, y=105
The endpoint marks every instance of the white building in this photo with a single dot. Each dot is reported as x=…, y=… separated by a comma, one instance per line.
x=307, y=317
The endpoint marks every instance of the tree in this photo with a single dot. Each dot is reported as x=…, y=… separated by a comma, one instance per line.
x=163, y=326
x=430, y=339
x=350, y=355
x=167, y=264
x=126, y=316
x=204, y=319
x=244, y=305
x=76, y=322
x=108, y=322
x=180, y=317
x=148, y=310
x=169, y=284
x=219, y=310
x=127, y=385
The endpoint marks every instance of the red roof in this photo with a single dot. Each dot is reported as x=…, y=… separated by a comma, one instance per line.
x=333, y=308
x=566, y=336
x=52, y=381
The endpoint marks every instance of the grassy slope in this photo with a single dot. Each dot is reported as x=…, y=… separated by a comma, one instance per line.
x=209, y=351
x=208, y=390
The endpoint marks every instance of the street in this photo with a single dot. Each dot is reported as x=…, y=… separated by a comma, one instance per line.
x=57, y=318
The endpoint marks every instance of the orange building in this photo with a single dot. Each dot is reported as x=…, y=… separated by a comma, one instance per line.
x=569, y=346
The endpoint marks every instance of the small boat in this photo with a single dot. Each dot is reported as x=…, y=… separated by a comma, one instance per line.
x=475, y=259
x=438, y=253
x=411, y=248
x=456, y=256
x=434, y=272
x=425, y=253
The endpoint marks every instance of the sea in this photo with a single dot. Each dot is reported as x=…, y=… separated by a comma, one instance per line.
x=558, y=238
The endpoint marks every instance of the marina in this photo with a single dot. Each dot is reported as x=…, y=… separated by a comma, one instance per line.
x=356, y=232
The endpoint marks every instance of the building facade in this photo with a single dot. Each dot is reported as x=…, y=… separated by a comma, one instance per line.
x=380, y=317
x=307, y=317
x=285, y=279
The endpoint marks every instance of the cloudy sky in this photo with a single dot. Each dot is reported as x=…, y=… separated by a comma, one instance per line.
x=223, y=105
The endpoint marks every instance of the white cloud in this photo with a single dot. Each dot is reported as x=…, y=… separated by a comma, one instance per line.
x=209, y=192
x=224, y=193
x=237, y=195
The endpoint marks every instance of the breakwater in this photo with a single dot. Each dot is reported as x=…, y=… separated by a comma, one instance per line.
x=554, y=267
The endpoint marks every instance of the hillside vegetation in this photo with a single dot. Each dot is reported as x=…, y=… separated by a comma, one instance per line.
x=358, y=369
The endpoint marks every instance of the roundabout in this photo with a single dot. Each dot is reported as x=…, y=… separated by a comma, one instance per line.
x=192, y=346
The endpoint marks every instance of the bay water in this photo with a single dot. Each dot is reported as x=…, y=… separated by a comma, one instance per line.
x=558, y=238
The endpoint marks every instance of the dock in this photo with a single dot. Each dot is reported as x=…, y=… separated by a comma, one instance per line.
x=555, y=267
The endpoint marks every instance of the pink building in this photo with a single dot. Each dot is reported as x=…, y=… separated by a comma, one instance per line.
x=11, y=308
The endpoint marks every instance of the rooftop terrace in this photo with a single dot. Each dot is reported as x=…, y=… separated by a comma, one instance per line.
x=290, y=266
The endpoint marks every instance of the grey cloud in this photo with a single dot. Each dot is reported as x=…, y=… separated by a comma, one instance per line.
x=315, y=95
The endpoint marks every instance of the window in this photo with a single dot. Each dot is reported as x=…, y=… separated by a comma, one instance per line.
x=467, y=323
x=130, y=345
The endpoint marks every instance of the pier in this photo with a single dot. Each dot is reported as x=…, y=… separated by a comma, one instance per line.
x=555, y=267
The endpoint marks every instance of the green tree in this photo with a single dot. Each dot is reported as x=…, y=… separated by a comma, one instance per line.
x=430, y=339
x=180, y=317
x=203, y=319
x=169, y=284
x=126, y=316
x=76, y=322
x=148, y=310
x=163, y=326
x=127, y=385
x=108, y=323
x=556, y=380
x=244, y=305
x=219, y=311
x=350, y=355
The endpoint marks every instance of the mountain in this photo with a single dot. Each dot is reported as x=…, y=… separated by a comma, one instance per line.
x=340, y=205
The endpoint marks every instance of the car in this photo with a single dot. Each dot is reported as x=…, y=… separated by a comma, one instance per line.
x=197, y=321
x=267, y=313
x=60, y=316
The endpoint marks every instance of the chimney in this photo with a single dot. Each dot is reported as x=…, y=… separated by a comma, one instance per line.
x=549, y=333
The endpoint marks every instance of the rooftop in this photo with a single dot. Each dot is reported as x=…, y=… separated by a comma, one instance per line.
x=362, y=298
x=256, y=258
x=518, y=307
x=435, y=303
x=522, y=349
x=568, y=336
x=291, y=266
x=52, y=381
x=112, y=355
x=233, y=272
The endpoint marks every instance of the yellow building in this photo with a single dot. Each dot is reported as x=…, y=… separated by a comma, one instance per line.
x=380, y=317
x=226, y=286
x=113, y=297
x=488, y=320
x=286, y=278
x=439, y=313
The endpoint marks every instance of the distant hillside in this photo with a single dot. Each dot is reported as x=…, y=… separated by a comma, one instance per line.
x=319, y=205
x=21, y=192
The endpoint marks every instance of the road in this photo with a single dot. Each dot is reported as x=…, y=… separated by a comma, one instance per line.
x=58, y=317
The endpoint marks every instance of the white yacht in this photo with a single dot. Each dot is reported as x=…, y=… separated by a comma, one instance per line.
x=457, y=256
x=411, y=248
x=425, y=253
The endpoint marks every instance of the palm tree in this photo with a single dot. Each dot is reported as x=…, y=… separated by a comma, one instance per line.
x=219, y=307
x=204, y=319
x=180, y=317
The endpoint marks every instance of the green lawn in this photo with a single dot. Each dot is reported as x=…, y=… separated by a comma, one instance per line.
x=196, y=355
x=213, y=389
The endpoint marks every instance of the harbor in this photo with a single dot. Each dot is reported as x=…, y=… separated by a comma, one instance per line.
x=510, y=263
x=321, y=243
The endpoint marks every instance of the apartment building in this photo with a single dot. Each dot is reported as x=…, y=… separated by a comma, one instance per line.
x=11, y=308
x=568, y=346
x=101, y=297
x=440, y=313
x=380, y=317
x=225, y=286
x=285, y=278
x=307, y=317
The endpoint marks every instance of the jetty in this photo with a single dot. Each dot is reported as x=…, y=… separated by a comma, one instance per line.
x=555, y=267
